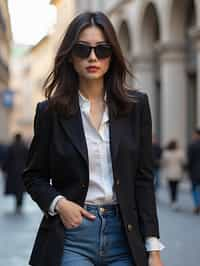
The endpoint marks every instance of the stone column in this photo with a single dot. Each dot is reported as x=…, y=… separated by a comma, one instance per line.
x=195, y=33
x=144, y=73
x=174, y=96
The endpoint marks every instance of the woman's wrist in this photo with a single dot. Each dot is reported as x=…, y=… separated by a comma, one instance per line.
x=154, y=253
x=61, y=202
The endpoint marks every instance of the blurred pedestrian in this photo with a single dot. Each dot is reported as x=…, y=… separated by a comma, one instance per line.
x=157, y=153
x=93, y=142
x=13, y=166
x=173, y=161
x=3, y=149
x=194, y=169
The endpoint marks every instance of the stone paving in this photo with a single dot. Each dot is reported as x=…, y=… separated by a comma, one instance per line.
x=180, y=231
x=17, y=232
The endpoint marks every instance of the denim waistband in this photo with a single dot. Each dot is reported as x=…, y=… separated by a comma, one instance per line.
x=103, y=209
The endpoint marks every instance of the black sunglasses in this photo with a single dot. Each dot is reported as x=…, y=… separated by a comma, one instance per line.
x=102, y=50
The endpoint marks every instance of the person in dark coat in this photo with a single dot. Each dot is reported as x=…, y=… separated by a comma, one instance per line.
x=90, y=162
x=13, y=167
x=194, y=169
x=3, y=150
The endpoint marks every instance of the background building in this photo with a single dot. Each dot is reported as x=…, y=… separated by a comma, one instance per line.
x=30, y=71
x=5, y=39
x=161, y=38
x=161, y=42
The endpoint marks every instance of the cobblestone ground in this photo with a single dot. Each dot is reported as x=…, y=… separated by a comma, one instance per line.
x=180, y=231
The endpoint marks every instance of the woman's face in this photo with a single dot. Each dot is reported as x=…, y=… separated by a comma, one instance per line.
x=91, y=67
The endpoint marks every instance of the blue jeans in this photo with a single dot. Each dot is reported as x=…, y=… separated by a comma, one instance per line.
x=100, y=242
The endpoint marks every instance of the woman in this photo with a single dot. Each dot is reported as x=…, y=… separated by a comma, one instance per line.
x=89, y=167
x=173, y=162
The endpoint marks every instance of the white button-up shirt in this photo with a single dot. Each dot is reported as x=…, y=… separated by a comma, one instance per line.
x=100, y=189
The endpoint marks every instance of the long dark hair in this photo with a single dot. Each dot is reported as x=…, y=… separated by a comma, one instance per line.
x=62, y=84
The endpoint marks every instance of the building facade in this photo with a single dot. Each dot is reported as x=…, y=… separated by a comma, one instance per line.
x=28, y=73
x=31, y=70
x=161, y=41
x=5, y=40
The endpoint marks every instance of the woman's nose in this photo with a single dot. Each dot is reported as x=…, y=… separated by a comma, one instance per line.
x=92, y=55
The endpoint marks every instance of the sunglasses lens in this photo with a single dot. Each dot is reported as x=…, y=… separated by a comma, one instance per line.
x=103, y=51
x=81, y=50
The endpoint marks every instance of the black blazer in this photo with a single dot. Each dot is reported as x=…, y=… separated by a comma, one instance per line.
x=58, y=153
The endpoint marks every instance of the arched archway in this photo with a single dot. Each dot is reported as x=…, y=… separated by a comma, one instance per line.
x=180, y=16
x=182, y=22
x=149, y=38
x=126, y=45
x=124, y=37
x=150, y=29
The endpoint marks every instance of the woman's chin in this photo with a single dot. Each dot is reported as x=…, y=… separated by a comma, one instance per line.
x=93, y=76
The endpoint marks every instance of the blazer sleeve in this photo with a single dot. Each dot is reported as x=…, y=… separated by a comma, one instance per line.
x=36, y=174
x=145, y=196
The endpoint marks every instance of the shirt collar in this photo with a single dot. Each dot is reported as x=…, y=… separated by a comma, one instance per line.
x=84, y=104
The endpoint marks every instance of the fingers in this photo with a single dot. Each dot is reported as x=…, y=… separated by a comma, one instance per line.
x=72, y=214
x=87, y=214
x=72, y=222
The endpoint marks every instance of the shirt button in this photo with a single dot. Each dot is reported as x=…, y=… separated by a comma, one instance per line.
x=130, y=227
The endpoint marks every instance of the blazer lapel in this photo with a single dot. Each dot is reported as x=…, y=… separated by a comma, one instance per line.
x=116, y=127
x=73, y=127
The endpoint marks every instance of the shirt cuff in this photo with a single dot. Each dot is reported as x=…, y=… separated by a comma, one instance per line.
x=153, y=244
x=52, y=208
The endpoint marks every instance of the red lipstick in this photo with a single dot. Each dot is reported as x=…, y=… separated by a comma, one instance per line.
x=92, y=69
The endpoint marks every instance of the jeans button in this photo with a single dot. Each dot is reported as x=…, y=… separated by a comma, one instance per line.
x=102, y=210
x=130, y=227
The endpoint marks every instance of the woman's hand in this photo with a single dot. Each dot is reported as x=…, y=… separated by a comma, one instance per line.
x=71, y=213
x=154, y=259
